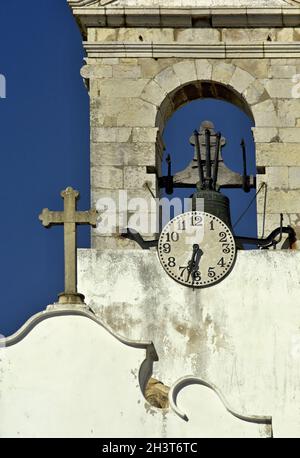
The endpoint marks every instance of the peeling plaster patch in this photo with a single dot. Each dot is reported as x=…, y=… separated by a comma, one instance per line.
x=119, y=316
x=215, y=338
x=150, y=410
x=134, y=373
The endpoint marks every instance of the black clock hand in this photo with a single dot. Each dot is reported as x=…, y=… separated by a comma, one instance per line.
x=197, y=259
x=193, y=264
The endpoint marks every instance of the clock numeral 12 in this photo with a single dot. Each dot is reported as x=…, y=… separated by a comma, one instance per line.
x=196, y=220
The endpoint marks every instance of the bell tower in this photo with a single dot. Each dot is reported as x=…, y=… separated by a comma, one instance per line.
x=144, y=60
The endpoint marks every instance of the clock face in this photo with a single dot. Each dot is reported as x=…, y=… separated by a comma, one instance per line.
x=197, y=249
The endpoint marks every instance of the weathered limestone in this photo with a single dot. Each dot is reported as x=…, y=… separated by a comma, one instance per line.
x=277, y=154
x=132, y=98
x=241, y=80
x=276, y=177
x=223, y=72
x=69, y=218
x=111, y=177
x=294, y=177
x=280, y=88
x=265, y=135
x=280, y=200
x=265, y=114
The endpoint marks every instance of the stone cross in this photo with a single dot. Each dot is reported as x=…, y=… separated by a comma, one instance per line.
x=69, y=218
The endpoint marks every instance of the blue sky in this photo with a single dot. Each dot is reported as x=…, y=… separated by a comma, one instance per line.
x=45, y=148
x=234, y=125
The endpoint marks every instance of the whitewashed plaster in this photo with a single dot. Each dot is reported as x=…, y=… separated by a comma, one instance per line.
x=242, y=335
x=66, y=375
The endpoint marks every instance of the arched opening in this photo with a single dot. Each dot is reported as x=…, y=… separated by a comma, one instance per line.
x=183, y=111
x=200, y=90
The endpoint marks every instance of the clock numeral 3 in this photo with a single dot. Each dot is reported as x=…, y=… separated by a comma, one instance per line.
x=226, y=248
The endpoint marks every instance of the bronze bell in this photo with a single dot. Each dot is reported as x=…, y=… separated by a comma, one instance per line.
x=215, y=203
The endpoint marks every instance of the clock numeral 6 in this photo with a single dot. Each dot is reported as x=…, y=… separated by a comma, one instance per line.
x=171, y=261
x=211, y=273
x=197, y=276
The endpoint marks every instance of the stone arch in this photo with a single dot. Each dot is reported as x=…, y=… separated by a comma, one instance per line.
x=188, y=80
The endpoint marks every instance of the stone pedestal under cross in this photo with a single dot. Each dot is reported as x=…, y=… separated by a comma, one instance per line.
x=69, y=218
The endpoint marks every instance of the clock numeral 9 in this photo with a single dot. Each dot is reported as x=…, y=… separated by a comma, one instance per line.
x=173, y=236
x=211, y=273
x=223, y=237
x=166, y=248
x=171, y=261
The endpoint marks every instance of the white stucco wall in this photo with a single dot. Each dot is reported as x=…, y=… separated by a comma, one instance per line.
x=64, y=375
x=243, y=335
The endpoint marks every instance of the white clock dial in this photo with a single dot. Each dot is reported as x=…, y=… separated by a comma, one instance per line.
x=197, y=249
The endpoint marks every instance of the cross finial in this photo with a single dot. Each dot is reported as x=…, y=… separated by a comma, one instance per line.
x=69, y=218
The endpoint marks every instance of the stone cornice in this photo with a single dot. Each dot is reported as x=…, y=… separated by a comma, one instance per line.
x=96, y=16
x=220, y=50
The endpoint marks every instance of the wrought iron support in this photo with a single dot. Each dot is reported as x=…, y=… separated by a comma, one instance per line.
x=265, y=243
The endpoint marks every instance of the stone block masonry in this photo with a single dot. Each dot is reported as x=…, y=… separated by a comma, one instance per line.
x=140, y=72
